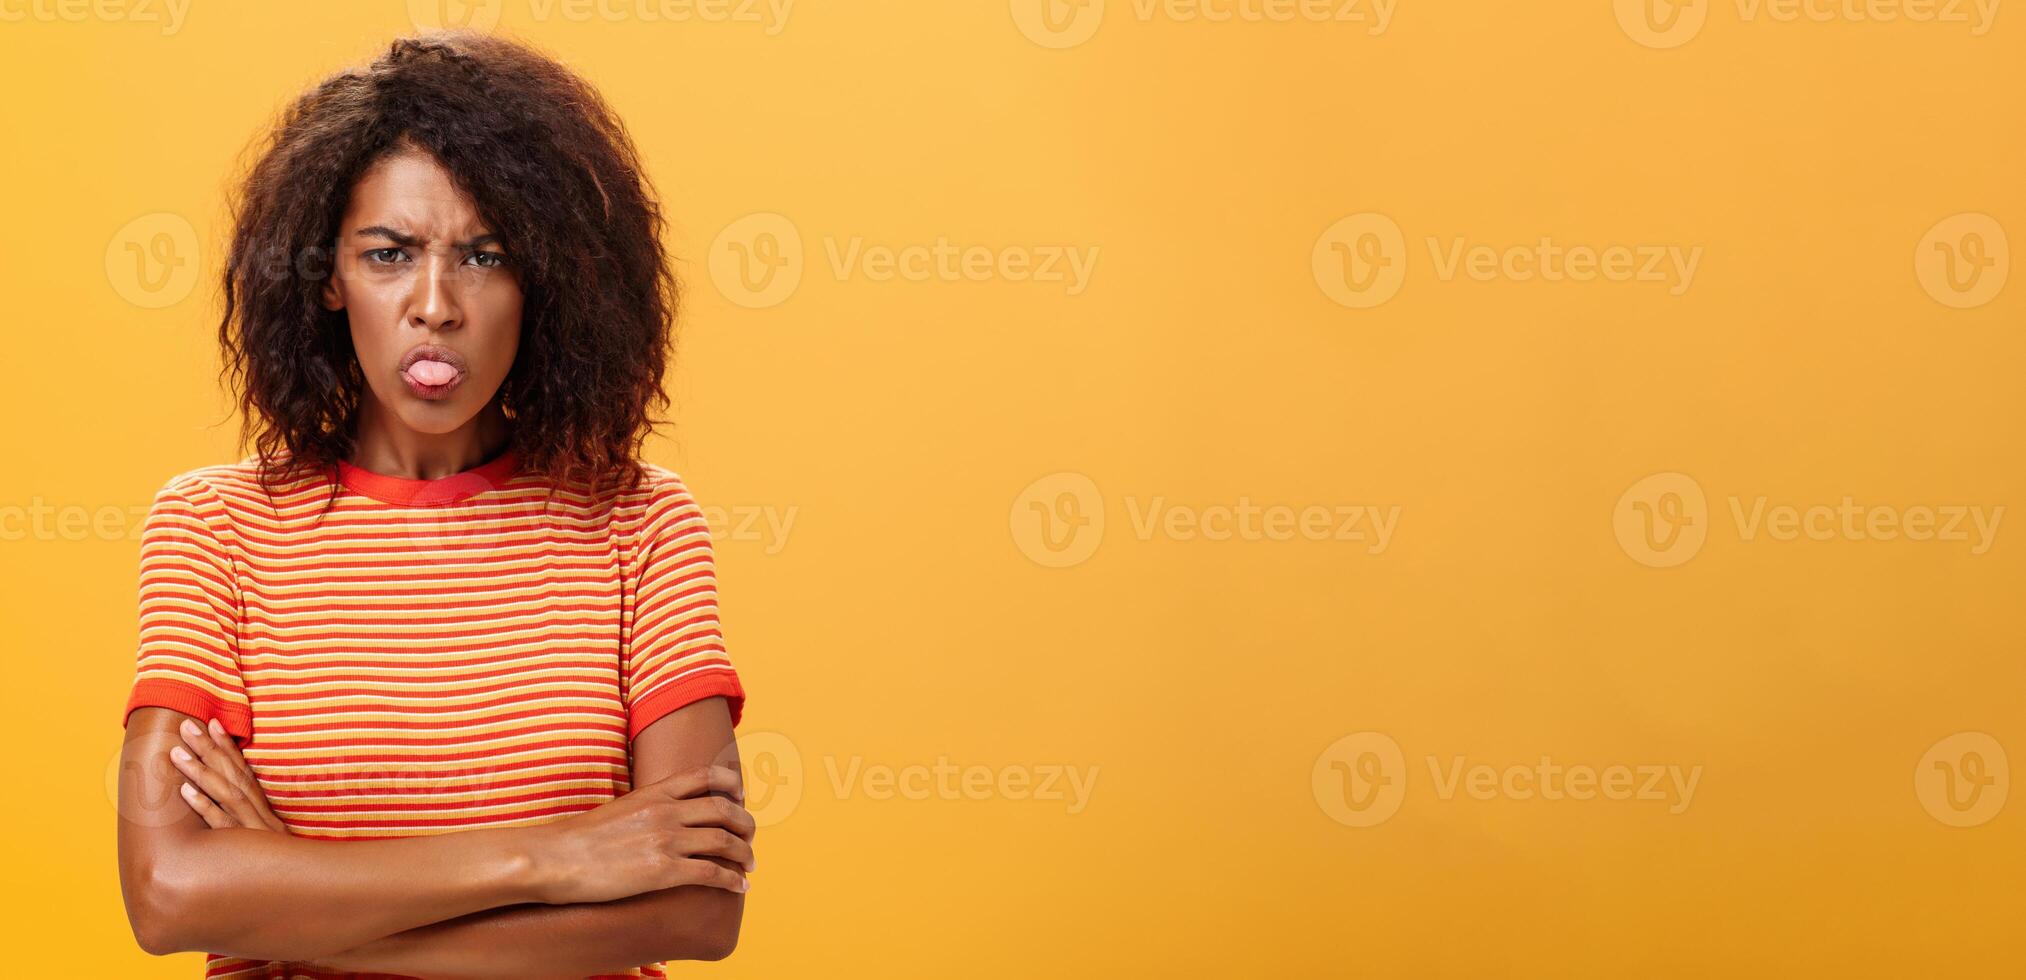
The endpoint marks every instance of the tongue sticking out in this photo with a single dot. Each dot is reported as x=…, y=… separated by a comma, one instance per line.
x=431, y=372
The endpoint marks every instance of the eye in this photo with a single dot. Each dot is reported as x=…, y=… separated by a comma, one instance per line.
x=488, y=260
x=386, y=255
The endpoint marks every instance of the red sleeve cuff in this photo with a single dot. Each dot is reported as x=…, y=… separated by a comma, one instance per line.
x=709, y=683
x=161, y=692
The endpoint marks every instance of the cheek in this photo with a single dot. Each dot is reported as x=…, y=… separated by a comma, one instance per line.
x=370, y=309
x=382, y=296
x=497, y=315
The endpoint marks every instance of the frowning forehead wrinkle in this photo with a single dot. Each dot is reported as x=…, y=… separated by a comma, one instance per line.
x=399, y=238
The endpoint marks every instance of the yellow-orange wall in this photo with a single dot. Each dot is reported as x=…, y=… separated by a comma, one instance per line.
x=1009, y=522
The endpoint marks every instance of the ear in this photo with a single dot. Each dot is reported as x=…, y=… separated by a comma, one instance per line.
x=334, y=298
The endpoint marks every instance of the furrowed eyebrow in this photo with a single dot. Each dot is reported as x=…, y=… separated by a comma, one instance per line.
x=389, y=234
x=398, y=238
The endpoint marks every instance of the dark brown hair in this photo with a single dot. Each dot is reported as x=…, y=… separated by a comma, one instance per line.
x=553, y=172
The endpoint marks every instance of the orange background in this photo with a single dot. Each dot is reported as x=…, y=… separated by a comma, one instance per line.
x=998, y=481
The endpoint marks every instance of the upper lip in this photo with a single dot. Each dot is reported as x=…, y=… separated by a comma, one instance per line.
x=432, y=352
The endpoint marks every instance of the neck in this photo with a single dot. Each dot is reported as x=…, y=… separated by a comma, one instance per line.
x=383, y=444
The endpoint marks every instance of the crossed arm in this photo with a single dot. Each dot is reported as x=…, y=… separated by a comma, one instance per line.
x=481, y=903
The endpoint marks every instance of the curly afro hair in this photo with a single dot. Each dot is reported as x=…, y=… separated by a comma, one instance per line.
x=551, y=169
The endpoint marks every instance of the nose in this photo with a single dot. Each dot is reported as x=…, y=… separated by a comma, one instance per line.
x=433, y=303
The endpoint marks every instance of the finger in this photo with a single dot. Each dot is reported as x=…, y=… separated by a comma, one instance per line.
x=213, y=817
x=223, y=739
x=242, y=773
x=198, y=742
x=716, y=842
x=690, y=871
x=216, y=786
x=214, y=746
x=716, y=811
x=699, y=780
x=702, y=779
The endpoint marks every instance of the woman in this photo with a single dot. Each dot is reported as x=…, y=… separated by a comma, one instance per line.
x=432, y=684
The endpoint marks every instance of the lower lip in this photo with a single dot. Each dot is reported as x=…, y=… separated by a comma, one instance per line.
x=432, y=392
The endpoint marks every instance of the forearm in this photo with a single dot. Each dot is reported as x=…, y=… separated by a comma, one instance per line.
x=261, y=895
x=533, y=942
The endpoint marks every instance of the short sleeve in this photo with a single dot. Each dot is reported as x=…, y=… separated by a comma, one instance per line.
x=189, y=613
x=675, y=648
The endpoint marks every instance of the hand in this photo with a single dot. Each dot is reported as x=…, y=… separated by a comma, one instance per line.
x=221, y=786
x=666, y=833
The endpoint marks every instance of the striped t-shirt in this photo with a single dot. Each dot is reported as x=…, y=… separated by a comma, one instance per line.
x=427, y=656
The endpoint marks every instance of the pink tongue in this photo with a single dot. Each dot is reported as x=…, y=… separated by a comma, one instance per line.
x=432, y=372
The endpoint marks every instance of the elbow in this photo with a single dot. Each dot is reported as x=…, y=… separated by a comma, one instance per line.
x=714, y=938
x=151, y=934
x=710, y=930
x=152, y=914
x=156, y=943
x=712, y=948
x=167, y=907
x=717, y=945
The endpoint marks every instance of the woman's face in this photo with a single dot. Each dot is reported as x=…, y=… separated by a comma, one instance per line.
x=433, y=302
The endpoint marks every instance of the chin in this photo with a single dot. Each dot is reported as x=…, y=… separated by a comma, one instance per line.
x=436, y=418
